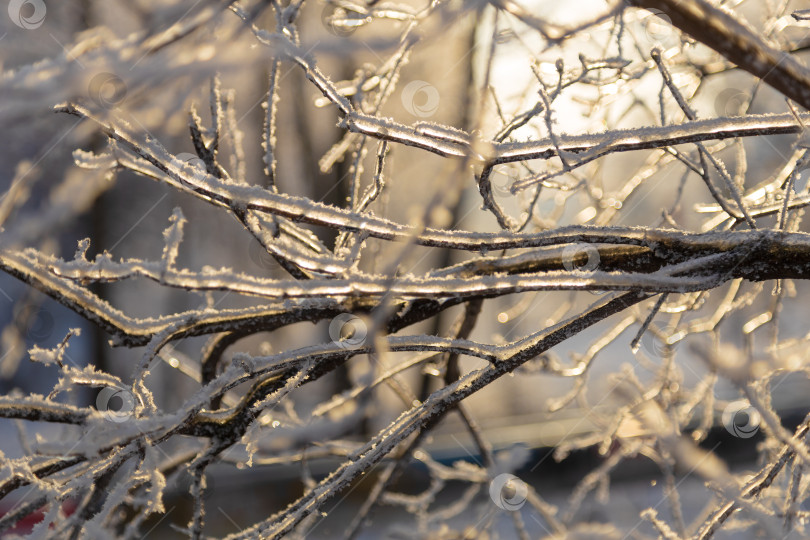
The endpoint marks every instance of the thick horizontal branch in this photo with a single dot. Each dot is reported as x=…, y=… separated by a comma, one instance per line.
x=649, y=264
x=623, y=263
x=132, y=332
x=42, y=410
x=453, y=143
x=364, y=286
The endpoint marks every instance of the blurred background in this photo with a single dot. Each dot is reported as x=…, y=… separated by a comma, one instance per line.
x=472, y=69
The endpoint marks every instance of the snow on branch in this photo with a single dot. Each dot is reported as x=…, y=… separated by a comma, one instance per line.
x=333, y=254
